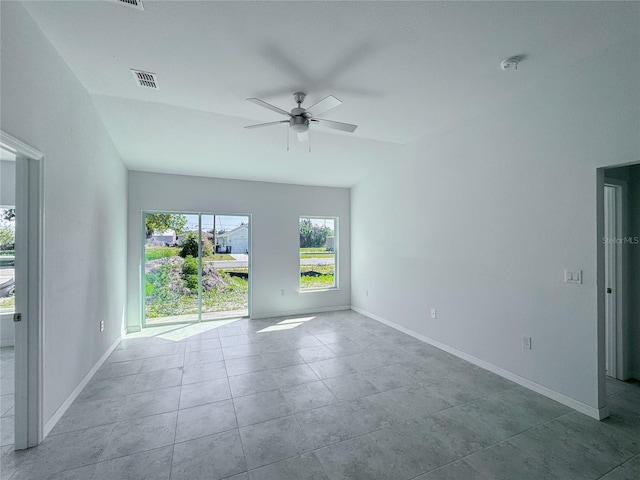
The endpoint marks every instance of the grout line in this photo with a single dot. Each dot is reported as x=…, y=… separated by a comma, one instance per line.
x=505, y=440
x=173, y=452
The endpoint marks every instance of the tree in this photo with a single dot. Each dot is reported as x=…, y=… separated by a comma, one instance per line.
x=189, y=246
x=8, y=214
x=159, y=222
x=313, y=236
x=7, y=238
x=207, y=247
x=7, y=228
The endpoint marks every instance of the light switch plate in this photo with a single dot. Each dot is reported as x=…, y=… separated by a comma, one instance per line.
x=572, y=276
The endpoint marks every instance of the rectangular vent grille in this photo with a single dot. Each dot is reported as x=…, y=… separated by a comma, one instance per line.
x=145, y=79
x=137, y=4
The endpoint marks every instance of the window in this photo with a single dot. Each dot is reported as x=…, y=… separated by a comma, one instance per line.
x=318, y=253
x=7, y=259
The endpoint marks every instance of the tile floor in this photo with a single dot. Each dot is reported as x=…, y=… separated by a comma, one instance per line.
x=7, y=389
x=333, y=396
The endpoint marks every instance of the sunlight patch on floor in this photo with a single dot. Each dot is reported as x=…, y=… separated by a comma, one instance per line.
x=177, y=333
x=286, y=324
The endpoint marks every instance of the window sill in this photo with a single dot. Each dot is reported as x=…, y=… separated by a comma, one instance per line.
x=317, y=290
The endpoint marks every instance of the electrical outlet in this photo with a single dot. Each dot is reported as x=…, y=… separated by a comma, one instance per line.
x=102, y=325
x=526, y=342
x=434, y=313
x=366, y=293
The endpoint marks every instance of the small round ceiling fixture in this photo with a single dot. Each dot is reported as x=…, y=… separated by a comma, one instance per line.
x=511, y=62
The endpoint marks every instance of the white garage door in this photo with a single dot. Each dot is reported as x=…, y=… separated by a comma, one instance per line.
x=240, y=245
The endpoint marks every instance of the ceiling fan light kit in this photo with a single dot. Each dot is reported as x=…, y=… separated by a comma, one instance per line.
x=300, y=118
x=299, y=124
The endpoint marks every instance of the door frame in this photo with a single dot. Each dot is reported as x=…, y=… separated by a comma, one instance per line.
x=29, y=422
x=616, y=330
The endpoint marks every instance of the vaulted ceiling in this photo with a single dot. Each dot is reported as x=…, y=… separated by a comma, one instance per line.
x=402, y=69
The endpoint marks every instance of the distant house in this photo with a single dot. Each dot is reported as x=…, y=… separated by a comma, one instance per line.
x=168, y=237
x=237, y=239
x=331, y=244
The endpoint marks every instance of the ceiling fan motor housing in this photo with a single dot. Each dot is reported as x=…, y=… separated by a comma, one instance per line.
x=298, y=123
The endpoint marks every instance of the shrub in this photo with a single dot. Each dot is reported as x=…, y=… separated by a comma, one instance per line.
x=191, y=281
x=207, y=248
x=190, y=266
x=189, y=246
x=190, y=273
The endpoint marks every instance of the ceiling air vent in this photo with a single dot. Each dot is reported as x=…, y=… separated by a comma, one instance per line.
x=137, y=4
x=145, y=79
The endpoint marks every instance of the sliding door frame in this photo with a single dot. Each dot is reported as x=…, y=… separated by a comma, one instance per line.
x=142, y=282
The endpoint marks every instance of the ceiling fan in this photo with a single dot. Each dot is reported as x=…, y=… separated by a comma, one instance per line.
x=300, y=118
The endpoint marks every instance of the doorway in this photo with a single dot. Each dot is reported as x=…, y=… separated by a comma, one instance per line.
x=196, y=267
x=23, y=307
x=618, y=275
x=613, y=278
x=7, y=296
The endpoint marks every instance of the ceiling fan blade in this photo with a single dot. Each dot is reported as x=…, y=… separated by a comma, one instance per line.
x=264, y=104
x=324, y=105
x=303, y=136
x=345, y=127
x=266, y=124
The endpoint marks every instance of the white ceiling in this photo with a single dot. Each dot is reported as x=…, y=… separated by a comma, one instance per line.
x=402, y=69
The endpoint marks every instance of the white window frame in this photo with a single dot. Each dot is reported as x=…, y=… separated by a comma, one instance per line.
x=336, y=250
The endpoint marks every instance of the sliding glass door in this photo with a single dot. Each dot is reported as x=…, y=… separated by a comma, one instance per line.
x=196, y=267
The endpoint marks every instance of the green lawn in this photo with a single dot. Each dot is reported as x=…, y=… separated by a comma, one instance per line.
x=8, y=303
x=325, y=280
x=319, y=252
x=217, y=257
x=311, y=283
x=317, y=255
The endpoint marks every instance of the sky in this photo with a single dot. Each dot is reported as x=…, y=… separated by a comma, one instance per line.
x=229, y=222
x=223, y=222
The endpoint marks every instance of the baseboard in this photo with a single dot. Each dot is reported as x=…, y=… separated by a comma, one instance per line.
x=255, y=316
x=134, y=328
x=635, y=374
x=71, y=398
x=597, y=413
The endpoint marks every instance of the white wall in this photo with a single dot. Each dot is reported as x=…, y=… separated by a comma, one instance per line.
x=7, y=182
x=275, y=210
x=85, y=189
x=492, y=211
